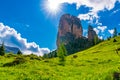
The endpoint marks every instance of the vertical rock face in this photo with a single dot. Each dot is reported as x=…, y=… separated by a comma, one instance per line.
x=91, y=33
x=70, y=34
x=69, y=29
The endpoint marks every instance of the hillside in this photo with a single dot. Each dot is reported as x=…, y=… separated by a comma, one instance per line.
x=96, y=63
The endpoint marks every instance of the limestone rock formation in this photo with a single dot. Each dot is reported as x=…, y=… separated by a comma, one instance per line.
x=91, y=33
x=70, y=34
x=70, y=28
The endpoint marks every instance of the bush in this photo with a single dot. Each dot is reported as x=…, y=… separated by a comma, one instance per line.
x=118, y=49
x=114, y=40
x=75, y=56
x=33, y=57
x=10, y=55
x=18, y=60
x=46, y=61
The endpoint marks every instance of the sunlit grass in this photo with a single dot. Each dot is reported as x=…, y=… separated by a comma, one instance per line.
x=96, y=63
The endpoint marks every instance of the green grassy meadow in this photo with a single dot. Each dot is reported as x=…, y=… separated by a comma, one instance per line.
x=96, y=63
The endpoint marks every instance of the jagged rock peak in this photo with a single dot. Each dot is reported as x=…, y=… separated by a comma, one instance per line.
x=69, y=27
x=91, y=33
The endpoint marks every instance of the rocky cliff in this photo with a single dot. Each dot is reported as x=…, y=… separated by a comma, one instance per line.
x=70, y=28
x=91, y=33
x=70, y=33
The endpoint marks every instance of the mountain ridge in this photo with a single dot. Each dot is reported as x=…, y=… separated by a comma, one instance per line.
x=9, y=49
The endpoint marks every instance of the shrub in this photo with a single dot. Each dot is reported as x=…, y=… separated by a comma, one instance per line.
x=33, y=57
x=109, y=38
x=46, y=60
x=118, y=49
x=18, y=60
x=114, y=40
x=10, y=55
x=75, y=56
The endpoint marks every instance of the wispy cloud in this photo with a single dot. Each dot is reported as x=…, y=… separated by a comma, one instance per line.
x=12, y=38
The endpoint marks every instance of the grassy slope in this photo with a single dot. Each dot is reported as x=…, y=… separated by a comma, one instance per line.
x=96, y=63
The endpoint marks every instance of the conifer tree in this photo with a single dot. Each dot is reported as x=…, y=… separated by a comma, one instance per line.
x=2, y=49
x=96, y=40
x=19, y=52
x=119, y=34
x=61, y=53
x=45, y=55
x=115, y=32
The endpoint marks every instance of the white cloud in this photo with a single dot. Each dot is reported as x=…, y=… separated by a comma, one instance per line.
x=96, y=30
x=12, y=38
x=89, y=16
x=98, y=23
x=118, y=0
x=111, y=31
x=85, y=32
x=94, y=5
x=84, y=16
x=101, y=37
x=102, y=28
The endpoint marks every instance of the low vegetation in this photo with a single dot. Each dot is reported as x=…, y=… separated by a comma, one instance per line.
x=100, y=62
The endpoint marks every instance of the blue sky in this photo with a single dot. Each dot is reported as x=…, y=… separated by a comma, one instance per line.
x=32, y=22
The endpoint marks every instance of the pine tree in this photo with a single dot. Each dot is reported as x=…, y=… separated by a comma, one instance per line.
x=19, y=52
x=61, y=53
x=115, y=32
x=2, y=49
x=96, y=40
x=119, y=34
x=45, y=55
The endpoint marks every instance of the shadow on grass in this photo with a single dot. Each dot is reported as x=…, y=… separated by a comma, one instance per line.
x=116, y=76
